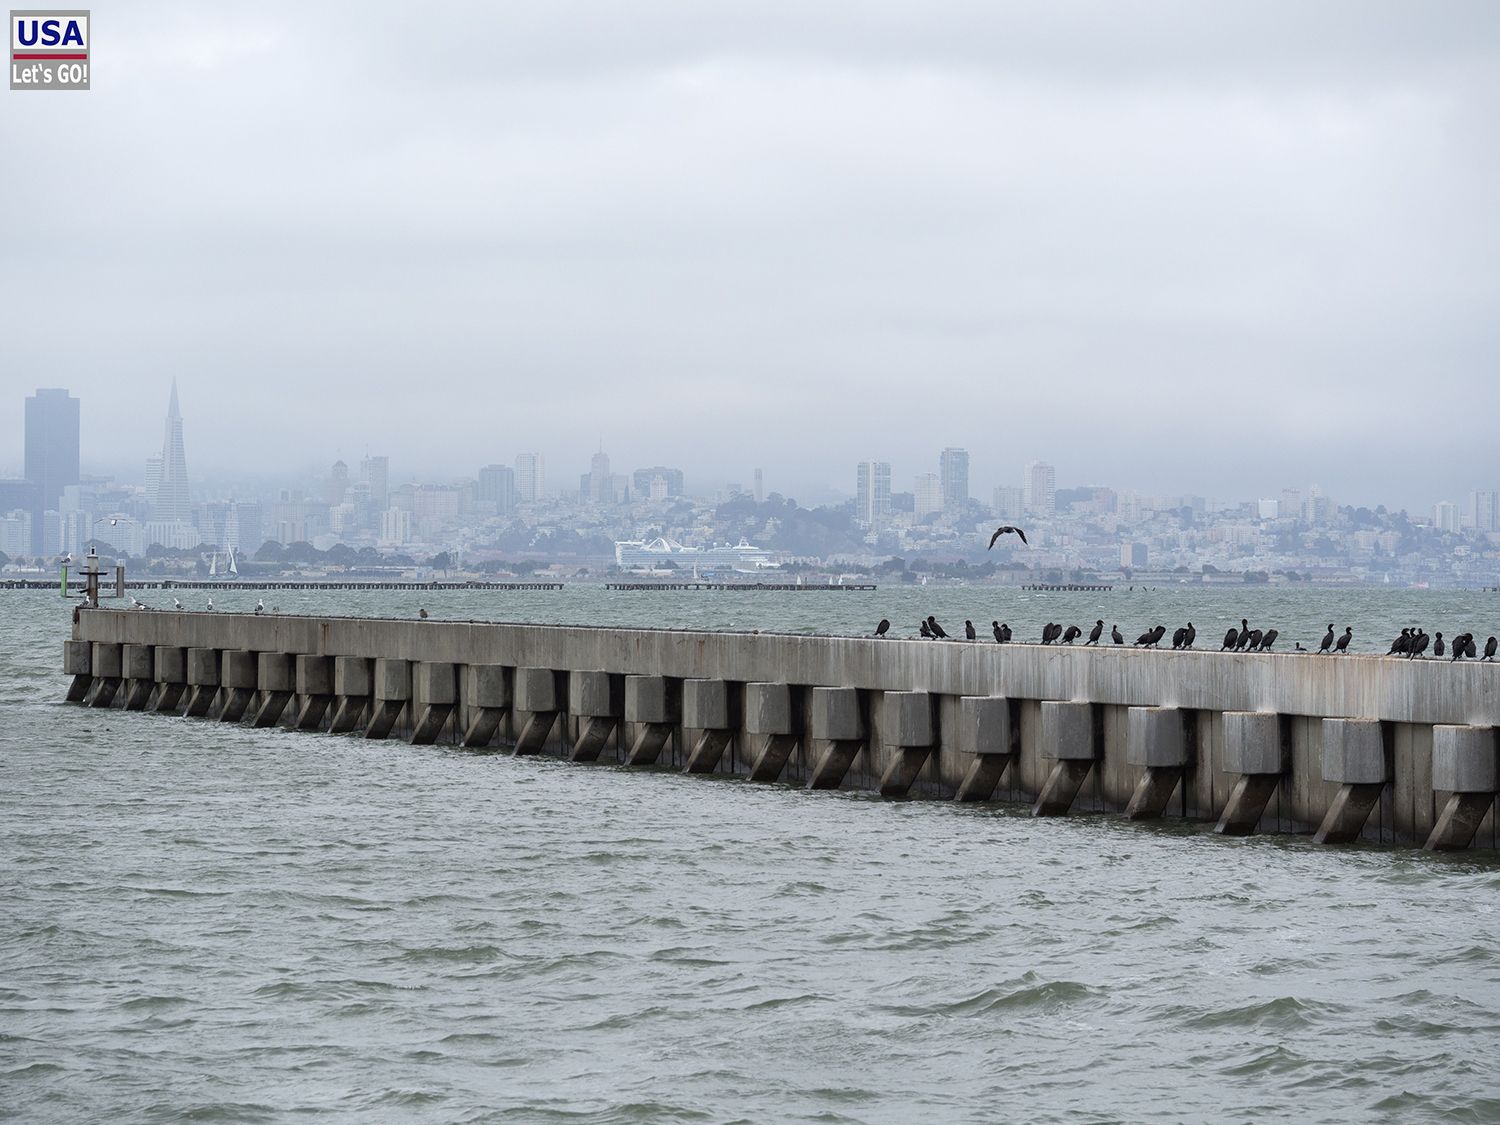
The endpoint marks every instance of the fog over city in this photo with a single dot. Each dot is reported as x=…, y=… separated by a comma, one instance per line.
x=1178, y=247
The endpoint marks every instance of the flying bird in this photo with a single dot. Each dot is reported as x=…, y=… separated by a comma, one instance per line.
x=1006, y=529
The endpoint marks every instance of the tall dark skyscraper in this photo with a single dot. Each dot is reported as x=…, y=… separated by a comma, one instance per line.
x=51, y=444
x=172, y=486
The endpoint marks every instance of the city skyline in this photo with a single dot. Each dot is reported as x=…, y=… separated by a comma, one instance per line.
x=1167, y=247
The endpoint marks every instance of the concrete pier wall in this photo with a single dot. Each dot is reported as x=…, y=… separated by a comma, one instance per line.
x=898, y=721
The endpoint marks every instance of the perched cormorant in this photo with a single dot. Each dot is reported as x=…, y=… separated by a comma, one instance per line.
x=937, y=630
x=999, y=633
x=1178, y=636
x=422, y=612
x=1298, y=647
x=1114, y=635
x=1342, y=644
x=1006, y=529
x=969, y=630
x=1255, y=638
x=1269, y=639
x=1047, y=633
x=926, y=629
x=1244, y=635
x=1192, y=635
x=1072, y=634
x=1095, y=633
x=1327, y=640
x=1437, y=645
x=1401, y=643
x=1489, y=649
x=1469, y=646
x=883, y=628
x=1231, y=638
x=1418, y=645
x=1005, y=631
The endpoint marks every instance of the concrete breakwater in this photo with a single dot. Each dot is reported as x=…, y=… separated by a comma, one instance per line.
x=1342, y=747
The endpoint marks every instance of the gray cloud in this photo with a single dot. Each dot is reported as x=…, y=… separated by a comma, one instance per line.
x=1178, y=247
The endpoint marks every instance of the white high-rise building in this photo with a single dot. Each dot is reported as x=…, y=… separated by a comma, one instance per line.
x=1445, y=515
x=1009, y=502
x=872, y=491
x=927, y=495
x=953, y=466
x=1040, y=489
x=1484, y=511
x=530, y=477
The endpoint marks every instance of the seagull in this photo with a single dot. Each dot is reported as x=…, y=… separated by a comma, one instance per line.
x=1006, y=529
x=883, y=627
x=176, y=603
x=210, y=605
x=260, y=606
x=422, y=612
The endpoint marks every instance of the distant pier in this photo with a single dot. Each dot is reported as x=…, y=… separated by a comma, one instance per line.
x=277, y=584
x=1066, y=586
x=735, y=586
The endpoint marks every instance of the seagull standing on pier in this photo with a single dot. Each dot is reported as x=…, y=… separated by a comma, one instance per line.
x=1006, y=529
x=210, y=605
x=176, y=603
x=260, y=606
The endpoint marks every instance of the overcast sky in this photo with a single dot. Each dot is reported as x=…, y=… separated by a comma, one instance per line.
x=1179, y=247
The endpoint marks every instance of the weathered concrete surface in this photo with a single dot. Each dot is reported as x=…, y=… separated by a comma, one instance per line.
x=169, y=669
x=984, y=734
x=237, y=672
x=536, y=697
x=136, y=665
x=1252, y=742
x=314, y=676
x=274, y=679
x=78, y=662
x=767, y=739
x=391, y=684
x=353, y=684
x=487, y=697
x=1354, y=752
x=1464, y=759
x=203, y=680
x=436, y=690
x=907, y=729
x=705, y=705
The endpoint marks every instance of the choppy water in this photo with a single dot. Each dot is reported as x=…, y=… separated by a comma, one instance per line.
x=210, y=923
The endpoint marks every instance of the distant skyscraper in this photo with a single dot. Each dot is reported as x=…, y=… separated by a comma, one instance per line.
x=1445, y=515
x=497, y=486
x=530, y=477
x=172, y=504
x=1040, y=489
x=51, y=444
x=600, y=485
x=641, y=479
x=872, y=493
x=1009, y=502
x=928, y=493
x=376, y=472
x=953, y=466
x=760, y=487
x=1484, y=510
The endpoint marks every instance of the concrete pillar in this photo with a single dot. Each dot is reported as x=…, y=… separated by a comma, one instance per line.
x=768, y=715
x=487, y=694
x=237, y=679
x=651, y=702
x=139, y=674
x=1353, y=756
x=391, y=687
x=203, y=680
x=1253, y=750
x=106, y=661
x=1067, y=737
x=983, y=733
x=169, y=670
x=705, y=708
x=314, y=690
x=78, y=662
x=907, y=730
x=1463, y=766
x=1155, y=738
x=536, y=695
x=597, y=700
x=437, y=693
x=836, y=719
x=274, y=679
x=353, y=686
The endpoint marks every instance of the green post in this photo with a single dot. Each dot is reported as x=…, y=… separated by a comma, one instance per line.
x=63, y=583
